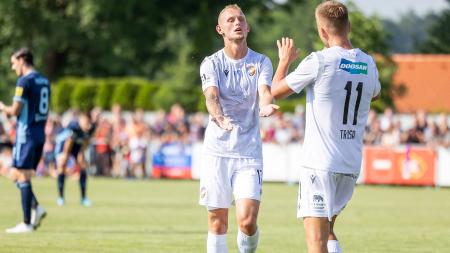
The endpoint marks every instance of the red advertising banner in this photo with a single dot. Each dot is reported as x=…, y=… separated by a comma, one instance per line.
x=402, y=166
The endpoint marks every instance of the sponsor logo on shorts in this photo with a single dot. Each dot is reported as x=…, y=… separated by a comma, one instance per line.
x=203, y=192
x=318, y=202
x=353, y=67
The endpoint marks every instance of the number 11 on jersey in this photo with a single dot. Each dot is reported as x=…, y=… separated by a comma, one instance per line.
x=348, y=88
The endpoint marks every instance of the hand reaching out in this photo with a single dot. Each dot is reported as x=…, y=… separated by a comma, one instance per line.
x=267, y=110
x=286, y=50
x=223, y=122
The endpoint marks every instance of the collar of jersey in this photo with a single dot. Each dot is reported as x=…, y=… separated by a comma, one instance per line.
x=236, y=61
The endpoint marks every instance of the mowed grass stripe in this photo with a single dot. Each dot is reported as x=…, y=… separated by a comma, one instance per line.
x=163, y=216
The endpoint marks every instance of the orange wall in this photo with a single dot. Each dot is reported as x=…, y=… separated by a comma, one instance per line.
x=427, y=79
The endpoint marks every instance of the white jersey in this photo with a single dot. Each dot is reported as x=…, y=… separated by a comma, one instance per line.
x=340, y=85
x=238, y=82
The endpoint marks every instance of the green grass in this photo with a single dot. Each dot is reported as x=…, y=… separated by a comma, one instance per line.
x=163, y=216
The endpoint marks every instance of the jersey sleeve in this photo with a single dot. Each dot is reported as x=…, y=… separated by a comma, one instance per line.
x=305, y=74
x=21, y=90
x=266, y=73
x=208, y=74
x=377, y=89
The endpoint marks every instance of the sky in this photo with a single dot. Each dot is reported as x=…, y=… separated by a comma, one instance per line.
x=392, y=9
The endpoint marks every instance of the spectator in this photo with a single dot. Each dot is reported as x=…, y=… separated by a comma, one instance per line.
x=102, y=140
x=392, y=136
x=374, y=135
x=138, y=133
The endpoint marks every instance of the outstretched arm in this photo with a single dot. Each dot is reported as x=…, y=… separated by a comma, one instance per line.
x=266, y=106
x=12, y=110
x=215, y=109
x=287, y=54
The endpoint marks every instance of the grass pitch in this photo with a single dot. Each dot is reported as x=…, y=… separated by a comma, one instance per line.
x=163, y=216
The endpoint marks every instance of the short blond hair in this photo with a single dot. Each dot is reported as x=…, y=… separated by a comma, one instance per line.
x=230, y=6
x=335, y=15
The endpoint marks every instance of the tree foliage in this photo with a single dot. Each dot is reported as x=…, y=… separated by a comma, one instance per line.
x=157, y=40
x=438, y=41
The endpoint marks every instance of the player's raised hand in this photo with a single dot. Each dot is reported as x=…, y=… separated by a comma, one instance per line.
x=267, y=110
x=286, y=50
x=2, y=106
x=223, y=122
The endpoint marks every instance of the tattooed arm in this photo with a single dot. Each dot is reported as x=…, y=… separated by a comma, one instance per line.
x=215, y=109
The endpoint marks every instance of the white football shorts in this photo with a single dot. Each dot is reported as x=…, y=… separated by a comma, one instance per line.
x=222, y=178
x=323, y=193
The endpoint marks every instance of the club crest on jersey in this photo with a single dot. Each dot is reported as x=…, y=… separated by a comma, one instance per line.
x=251, y=70
x=226, y=72
x=353, y=67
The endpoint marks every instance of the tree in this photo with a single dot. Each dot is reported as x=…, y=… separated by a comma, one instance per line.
x=158, y=40
x=297, y=20
x=438, y=41
x=101, y=38
x=408, y=33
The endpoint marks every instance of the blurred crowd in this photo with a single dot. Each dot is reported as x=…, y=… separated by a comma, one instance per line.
x=390, y=129
x=123, y=143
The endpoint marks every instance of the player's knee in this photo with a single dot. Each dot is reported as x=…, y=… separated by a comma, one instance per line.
x=248, y=225
x=316, y=240
x=218, y=225
x=23, y=176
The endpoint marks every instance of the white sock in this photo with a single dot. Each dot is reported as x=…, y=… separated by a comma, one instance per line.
x=333, y=246
x=216, y=243
x=247, y=244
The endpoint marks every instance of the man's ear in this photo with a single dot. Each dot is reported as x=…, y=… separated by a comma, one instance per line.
x=323, y=33
x=219, y=30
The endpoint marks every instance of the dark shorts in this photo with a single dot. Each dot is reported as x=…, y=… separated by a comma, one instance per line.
x=27, y=155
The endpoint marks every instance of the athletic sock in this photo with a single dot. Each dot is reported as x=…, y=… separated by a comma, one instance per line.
x=216, y=243
x=61, y=179
x=333, y=246
x=247, y=244
x=26, y=195
x=34, y=202
x=83, y=179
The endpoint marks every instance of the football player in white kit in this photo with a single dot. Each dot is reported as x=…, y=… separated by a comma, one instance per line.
x=340, y=83
x=236, y=83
